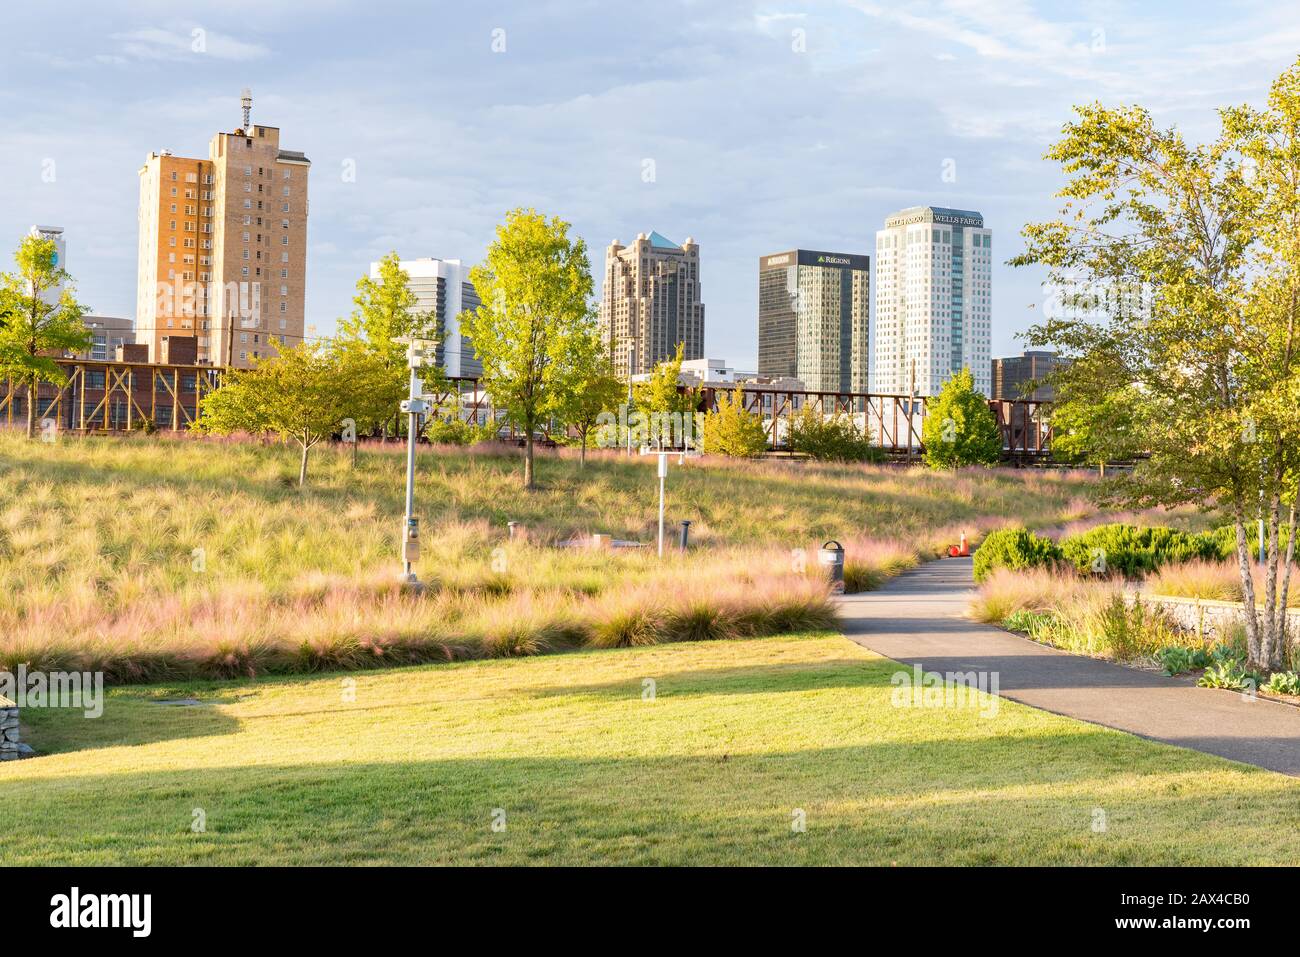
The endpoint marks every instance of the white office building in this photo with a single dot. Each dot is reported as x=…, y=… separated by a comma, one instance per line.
x=933, y=301
x=442, y=286
x=54, y=233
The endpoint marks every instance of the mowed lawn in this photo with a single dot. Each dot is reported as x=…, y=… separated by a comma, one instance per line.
x=574, y=765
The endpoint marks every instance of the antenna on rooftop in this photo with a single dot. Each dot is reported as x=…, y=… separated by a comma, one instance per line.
x=246, y=102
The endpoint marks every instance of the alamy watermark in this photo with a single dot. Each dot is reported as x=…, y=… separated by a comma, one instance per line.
x=82, y=690
x=952, y=689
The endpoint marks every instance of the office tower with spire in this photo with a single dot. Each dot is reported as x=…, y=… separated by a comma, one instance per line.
x=651, y=302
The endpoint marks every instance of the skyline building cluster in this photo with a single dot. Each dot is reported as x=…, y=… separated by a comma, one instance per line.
x=221, y=281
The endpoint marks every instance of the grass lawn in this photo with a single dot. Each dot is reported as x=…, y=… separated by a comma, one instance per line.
x=739, y=735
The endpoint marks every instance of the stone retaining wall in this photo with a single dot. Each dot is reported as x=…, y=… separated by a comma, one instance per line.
x=1207, y=618
x=10, y=747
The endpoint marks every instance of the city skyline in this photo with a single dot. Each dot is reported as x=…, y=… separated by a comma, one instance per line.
x=763, y=158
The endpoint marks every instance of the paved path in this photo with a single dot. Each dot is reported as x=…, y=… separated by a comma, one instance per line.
x=918, y=618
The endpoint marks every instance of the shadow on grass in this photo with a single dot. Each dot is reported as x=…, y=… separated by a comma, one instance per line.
x=977, y=801
x=126, y=721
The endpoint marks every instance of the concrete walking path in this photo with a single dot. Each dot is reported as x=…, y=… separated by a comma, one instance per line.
x=919, y=618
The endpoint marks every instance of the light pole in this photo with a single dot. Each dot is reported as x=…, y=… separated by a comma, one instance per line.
x=682, y=455
x=414, y=406
x=631, y=366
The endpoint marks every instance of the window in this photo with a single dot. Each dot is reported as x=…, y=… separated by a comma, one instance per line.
x=245, y=253
x=284, y=290
x=284, y=223
x=284, y=257
x=287, y=173
x=248, y=187
x=248, y=171
x=244, y=270
x=284, y=307
x=248, y=204
x=284, y=240
x=243, y=337
x=286, y=191
x=173, y=177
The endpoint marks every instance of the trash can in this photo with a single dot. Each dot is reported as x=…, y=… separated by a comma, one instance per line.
x=831, y=557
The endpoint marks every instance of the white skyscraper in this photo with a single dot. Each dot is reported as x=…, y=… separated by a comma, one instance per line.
x=442, y=286
x=54, y=233
x=933, y=301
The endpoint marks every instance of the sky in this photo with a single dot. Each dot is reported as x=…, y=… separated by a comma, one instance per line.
x=751, y=127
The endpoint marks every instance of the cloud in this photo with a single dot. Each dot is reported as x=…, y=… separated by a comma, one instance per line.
x=158, y=44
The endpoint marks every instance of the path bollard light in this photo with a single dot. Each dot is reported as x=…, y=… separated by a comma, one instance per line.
x=831, y=557
x=686, y=531
x=513, y=526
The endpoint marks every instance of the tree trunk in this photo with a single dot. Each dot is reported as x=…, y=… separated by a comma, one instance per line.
x=31, y=409
x=582, y=456
x=1283, y=619
x=302, y=468
x=1253, y=648
x=1271, y=652
x=528, y=459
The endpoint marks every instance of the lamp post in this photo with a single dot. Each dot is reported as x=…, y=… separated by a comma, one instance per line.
x=663, y=455
x=413, y=406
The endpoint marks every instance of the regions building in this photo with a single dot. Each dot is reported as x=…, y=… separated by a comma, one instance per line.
x=1010, y=375
x=223, y=248
x=814, y=319
x=933, y=301
x=651, y=302
x=442, y=287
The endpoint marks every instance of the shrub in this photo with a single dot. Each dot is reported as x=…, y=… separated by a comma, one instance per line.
x=959, y=427
x=1013, y=548
x=1225, y=539
x=833, y=438
x=1230, y=675
x=1179, y=659
x=1132, y=551
x=733, y=430
x=1283, y=682
x=456, y=432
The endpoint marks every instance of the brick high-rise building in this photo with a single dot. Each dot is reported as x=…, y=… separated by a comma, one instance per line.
x=223, y=247
x=651, y=302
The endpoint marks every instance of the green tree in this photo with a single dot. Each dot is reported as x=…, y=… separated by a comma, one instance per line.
x=1204, y=239
x=535, y=286
x=303, y=394
x=734, y=430
x=597, y=391
x=384, y=313
x=959, y=427
x=34, y=330
x=666, y=406
x=829, y=438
